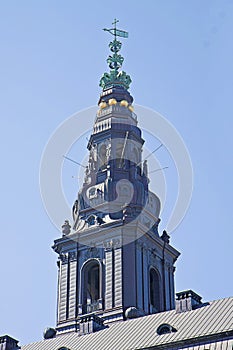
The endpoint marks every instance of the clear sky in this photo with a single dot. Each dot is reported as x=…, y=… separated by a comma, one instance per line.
x=180, y=57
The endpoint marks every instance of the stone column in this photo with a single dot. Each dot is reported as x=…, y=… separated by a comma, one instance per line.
x=62, y=291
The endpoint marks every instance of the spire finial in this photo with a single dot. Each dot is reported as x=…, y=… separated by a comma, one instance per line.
x=114, y=23
x=115, y=61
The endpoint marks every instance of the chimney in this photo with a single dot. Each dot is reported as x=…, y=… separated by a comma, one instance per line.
x=90, y=323
x=8, y=343
x=187, y=301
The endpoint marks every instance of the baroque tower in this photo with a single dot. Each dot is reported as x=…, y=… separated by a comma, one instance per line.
x=113, y=263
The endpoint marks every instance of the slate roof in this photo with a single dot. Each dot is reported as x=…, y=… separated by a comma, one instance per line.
x=211, y=325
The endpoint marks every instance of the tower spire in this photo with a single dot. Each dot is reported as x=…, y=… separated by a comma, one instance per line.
x=114, y=258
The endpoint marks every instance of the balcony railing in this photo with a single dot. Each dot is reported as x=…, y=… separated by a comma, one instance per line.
x=117, y=110
x=90, y=308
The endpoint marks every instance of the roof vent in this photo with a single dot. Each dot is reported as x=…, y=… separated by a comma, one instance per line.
x=165, y=328
x=187, y=301
x=90, y=323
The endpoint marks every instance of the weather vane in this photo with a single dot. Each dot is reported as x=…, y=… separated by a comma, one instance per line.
x=117, y=32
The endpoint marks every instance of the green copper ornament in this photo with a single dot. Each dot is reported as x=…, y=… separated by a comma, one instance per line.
x=115, y=61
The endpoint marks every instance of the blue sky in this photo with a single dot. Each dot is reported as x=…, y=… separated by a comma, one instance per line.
x=53, y=53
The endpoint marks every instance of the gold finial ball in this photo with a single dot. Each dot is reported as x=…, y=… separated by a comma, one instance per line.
x=131, y=108
x=112, y=101
x=124, y=103
x=102, y=105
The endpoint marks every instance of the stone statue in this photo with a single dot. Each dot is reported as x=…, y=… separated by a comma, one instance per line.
x=66, y=228
x=75, y=210
x=108, y=151
x=145, y=168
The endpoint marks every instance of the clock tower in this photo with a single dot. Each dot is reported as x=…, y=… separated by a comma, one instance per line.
x=113, y=264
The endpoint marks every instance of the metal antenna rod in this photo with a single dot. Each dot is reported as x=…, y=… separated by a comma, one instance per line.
x=123, y=149
x=151, y=153
x=74, y=161
x=154, y=171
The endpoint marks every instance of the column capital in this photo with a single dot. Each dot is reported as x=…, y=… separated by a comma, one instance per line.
x=112, y=243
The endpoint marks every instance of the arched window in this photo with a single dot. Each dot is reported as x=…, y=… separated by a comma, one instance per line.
x=135, y=159
x=119, y=159
x=134, y=156
x=165, y=328
x=102, y=156
x=155, y=302
x=91, y=286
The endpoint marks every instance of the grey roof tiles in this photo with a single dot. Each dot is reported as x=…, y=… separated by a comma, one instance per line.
x=211, y=324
